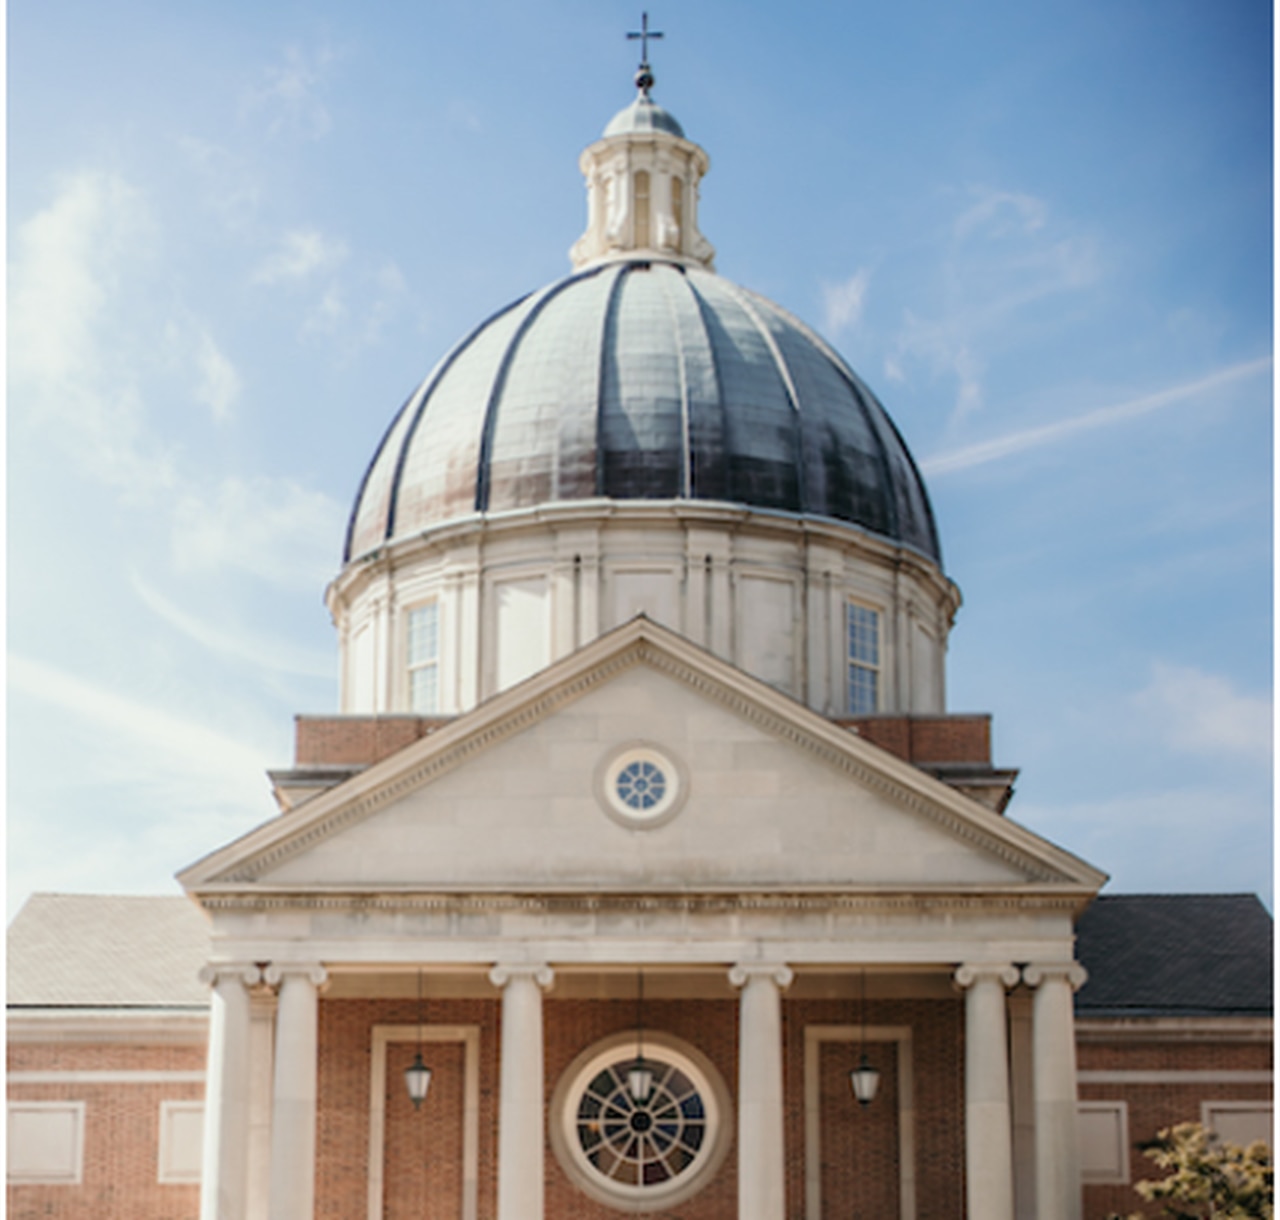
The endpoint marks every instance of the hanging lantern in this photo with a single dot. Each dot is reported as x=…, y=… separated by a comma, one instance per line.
x=865, y=1081
x=417, y=1079
x=639, y=1082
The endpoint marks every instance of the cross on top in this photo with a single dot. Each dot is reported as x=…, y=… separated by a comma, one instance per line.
x=644, y=34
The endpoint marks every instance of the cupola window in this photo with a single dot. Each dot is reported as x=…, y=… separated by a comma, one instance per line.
x=863, y=659
x=423, y=649
x=642, y=241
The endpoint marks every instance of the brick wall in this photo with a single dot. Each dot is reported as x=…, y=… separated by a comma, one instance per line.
x=423, y=1150
x=860, y=1167
x=927, y=739
x=353, y=740
x=121, y=1136
x=1153, y=1107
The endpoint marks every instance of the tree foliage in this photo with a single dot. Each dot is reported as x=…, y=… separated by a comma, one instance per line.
x=1209, y=1178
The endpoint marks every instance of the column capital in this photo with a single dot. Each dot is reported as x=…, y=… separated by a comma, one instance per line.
x=1073, y=973
x=779, y=973
x=539, y=972
x=313, y=972
x=1005, y=973
x=215, y=972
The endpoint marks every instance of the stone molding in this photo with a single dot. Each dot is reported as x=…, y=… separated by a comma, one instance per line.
x=313, y=972
x=678, y=901
x=971, y=972
x=779, y=973
x=381, y=1037
x=215, y=972
x=815, y=1036
x=539, y=972
x=1071, y=972
x=1094, y=1030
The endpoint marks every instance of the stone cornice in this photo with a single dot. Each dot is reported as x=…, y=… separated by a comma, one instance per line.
x=603, y=513
x=233, y=899
x=1174, y=1029
x=150, y=1026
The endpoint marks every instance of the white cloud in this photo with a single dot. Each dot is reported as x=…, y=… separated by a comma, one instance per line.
x=67, y=284
x=842, y=303
x=290, y=94
x=275, y=655
x=997, y=213
x=1011, y=443
x=218, y=384
x=272, y=528
x=202, y=750
x=301, y=253
x=1000, y=255
x=228, y=185
x=1204, y=713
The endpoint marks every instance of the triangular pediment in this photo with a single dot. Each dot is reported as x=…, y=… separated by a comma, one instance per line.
x=516, y=795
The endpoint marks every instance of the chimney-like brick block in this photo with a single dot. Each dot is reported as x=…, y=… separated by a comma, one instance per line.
x=928, y=739
x=357, y=740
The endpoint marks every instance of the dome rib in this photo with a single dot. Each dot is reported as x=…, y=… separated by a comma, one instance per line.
x=493, y=406
x=800, y=448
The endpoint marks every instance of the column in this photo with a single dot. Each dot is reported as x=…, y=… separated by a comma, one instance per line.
x=293, y=1104
x=224, y=1178
x=1053, y=1072
x=520, y=1093
x=262, y=1037
x=988, y=1139
x=1022, y=1106
x=762, y=1193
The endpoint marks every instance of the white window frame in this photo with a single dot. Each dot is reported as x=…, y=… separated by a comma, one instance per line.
x=75, y=1176
x=1102, y=1177
x=166, y=1173
x=1209, y=1108
x=862, y=665
x=417, y=665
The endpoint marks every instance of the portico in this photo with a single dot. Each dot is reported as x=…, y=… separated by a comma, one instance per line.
x=752, y=991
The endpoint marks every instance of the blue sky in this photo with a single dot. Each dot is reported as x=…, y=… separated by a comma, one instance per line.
x=239, y=234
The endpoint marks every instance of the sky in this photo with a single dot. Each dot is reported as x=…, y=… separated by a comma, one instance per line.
x=239, y=234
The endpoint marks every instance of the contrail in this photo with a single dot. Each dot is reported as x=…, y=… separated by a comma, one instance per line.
x=1032, y=438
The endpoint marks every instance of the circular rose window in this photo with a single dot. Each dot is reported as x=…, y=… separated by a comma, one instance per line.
x=641, y=786
x=640, y=1148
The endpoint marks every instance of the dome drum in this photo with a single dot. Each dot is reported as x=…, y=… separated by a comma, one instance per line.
x=507, y=594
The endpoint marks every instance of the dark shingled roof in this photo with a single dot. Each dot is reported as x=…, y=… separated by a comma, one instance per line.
x=1175, y=955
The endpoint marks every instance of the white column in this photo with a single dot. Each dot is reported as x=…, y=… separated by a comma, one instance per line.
x=262, y=1037
x=1053, y=1069
x=521, y=1120
x=224, y=1177
x=762, y=1193
x=1022, y=1106
x=988, y=1137
x=293, y=1105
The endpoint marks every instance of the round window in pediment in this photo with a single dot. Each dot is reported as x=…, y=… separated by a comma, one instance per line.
x=641, y=786
x=640, y=1133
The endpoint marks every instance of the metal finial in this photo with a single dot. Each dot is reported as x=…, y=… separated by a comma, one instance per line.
x=644, y=77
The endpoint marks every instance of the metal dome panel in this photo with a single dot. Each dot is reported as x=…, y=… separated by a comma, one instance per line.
x=639, y=381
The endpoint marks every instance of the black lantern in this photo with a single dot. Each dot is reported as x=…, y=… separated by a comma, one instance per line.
x=864, y=1079
x=417, y=1076
x=417, y=1079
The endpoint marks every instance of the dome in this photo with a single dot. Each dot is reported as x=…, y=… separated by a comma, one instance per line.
x=640, y=379
x=643, y=115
